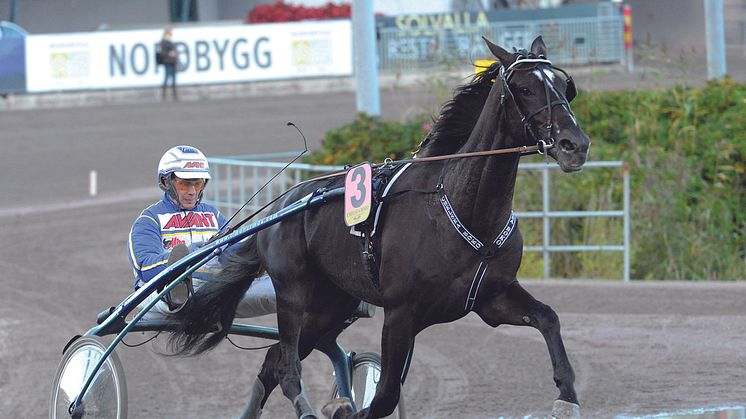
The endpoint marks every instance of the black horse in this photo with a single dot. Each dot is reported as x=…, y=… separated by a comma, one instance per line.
x=446, y=242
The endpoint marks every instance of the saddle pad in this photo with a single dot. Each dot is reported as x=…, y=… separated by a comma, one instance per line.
x=353, y=229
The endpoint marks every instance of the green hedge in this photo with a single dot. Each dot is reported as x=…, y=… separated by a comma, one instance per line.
x=369, y=139
x=686, y=148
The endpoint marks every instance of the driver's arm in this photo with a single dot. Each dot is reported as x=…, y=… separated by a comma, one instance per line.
x=145, y=248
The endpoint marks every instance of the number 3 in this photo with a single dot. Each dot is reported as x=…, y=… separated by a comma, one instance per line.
x=358, y=176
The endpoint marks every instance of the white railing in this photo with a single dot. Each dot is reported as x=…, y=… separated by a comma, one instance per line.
x=235, y=179
x=546, y=214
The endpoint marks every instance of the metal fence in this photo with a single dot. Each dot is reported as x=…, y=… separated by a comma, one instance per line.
x=236, y=179
x=547, y=214
x=577, y=41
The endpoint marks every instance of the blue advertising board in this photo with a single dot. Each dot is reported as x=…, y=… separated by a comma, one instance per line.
x=12, y=58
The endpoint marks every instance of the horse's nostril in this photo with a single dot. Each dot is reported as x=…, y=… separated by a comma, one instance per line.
x=567, y=145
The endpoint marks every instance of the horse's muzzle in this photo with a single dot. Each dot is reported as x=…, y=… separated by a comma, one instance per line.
x=571, y=152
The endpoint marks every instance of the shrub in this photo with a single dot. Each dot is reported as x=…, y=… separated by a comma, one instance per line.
x=687, y=150
x=369, y=138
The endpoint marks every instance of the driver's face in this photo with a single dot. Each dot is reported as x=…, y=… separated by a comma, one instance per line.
x=188, y=191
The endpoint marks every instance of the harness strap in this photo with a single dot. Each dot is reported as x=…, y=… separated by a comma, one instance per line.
x=475, y=283
x=506, y=232
x=475, y=243
x=397, y=172
x=464, y=232
x=385, y=178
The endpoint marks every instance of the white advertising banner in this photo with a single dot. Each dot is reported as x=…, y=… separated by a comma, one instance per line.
x=214, y=54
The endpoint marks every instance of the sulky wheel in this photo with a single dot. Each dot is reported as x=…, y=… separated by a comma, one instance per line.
x=106, y=396
x=366, y=372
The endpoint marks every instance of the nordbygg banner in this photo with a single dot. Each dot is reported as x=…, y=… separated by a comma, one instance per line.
x=214, y=54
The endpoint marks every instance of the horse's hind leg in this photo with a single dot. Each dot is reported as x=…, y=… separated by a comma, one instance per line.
x=264, y=383
x=516, y=306
x=291, y=303
x=330, y=308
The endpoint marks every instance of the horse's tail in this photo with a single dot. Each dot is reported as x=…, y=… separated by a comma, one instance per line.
x=207, y=316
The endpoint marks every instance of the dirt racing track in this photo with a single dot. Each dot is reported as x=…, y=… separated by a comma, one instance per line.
x=638, y=349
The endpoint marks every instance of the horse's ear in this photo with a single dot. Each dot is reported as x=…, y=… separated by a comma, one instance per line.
x=538, y=47
x=505, y=57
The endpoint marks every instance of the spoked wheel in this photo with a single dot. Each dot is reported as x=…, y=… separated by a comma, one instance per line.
x=106, y=396
x=366, y=372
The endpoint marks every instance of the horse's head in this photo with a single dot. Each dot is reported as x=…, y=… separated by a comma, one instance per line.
x=537, y=97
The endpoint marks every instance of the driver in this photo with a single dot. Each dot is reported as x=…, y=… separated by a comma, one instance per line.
x=179, y=218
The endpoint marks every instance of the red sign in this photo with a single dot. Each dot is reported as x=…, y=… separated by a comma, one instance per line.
x=194, y=165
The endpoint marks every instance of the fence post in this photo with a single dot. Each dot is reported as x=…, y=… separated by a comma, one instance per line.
x=255, y=186
x=625, y=175
x=229, y=191
x=628, y=38
x=364, y=50
x=13, y=9
x=242, y=188
x=715, y=38
x=93, y=183
x=215, y=181
x=545, y=220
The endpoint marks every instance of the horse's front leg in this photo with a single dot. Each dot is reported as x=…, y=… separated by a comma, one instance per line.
x=517, y=307
x=396, y=341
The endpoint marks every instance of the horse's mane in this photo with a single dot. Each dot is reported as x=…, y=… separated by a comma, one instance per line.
x=459, y=115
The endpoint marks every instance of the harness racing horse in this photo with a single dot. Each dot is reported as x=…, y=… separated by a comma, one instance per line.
x=446, y=242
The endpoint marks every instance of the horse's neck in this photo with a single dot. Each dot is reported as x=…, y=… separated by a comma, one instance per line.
x=481, y=188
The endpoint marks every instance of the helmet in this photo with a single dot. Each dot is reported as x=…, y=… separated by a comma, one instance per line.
x=184, y=161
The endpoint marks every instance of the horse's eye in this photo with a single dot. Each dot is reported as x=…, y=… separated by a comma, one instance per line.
x=525, y=91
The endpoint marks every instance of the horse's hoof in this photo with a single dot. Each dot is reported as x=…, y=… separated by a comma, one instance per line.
x=338, y=408
x=303, y=407
x=562, y=409
x=253, y=408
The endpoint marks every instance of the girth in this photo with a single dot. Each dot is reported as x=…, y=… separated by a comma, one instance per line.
x=487, y=253
x=381, y=183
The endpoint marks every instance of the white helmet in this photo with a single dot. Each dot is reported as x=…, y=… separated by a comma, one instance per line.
x=184, y=161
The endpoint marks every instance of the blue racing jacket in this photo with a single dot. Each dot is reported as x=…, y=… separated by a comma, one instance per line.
x=162, y=226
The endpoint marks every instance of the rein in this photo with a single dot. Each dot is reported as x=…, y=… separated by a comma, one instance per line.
x=524, y=150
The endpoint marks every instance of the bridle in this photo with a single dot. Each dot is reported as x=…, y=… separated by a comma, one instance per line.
x=526, y=61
